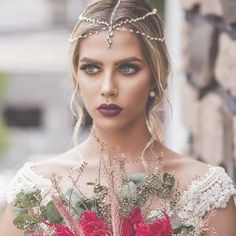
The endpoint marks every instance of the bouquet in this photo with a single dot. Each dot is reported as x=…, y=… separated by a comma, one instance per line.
x=121, y=208
x=125, y=206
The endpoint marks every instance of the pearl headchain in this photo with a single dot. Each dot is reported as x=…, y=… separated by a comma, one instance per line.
x=111, y=27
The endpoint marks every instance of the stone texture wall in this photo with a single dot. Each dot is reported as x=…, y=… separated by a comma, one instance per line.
x=209, y=61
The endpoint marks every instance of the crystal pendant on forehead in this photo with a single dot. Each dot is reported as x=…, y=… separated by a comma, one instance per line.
x=119, y=26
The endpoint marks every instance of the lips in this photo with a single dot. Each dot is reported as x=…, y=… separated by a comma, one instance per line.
x=109, y=110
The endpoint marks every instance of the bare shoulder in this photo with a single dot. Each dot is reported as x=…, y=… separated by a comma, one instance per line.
x=58, y=164
x=223, y=220
x=185, y=168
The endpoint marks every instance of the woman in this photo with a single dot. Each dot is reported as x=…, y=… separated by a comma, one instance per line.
x=120, y=67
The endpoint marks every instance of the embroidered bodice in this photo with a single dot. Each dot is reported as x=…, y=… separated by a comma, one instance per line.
x=209, y=193
x=28, y=180
x=203, y=195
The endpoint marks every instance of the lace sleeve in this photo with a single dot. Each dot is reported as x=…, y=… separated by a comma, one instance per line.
x=27, y=180
x=213, y=192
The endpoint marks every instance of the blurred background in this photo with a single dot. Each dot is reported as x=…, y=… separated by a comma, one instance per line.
x=35, y=83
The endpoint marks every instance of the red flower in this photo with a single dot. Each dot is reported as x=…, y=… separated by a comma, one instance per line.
x=62, y=230
x=143, y=229
x=159, y=227
x=129, y=222
x=91, y=225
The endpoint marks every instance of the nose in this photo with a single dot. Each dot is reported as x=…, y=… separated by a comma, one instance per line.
x=109, y=87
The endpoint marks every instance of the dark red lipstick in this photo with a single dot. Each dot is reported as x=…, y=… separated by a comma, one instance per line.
x=109, y=110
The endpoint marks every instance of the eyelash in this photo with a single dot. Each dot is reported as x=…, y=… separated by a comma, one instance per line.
x=85, y=67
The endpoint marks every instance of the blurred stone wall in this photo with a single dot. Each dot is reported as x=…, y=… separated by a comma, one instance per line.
x=209, y=62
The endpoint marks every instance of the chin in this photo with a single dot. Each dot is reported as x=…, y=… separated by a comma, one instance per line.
x=119, y=122
x=111, y=123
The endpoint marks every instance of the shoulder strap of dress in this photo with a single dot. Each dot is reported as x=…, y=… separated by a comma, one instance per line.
x=209, y=193
x=27, y=180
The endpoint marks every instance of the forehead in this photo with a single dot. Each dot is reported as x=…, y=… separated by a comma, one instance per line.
x=124, y=44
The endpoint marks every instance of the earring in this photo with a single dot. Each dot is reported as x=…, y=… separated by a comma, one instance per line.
x=152, y=94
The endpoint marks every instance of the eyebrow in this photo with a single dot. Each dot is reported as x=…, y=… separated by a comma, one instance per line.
x=90, y=60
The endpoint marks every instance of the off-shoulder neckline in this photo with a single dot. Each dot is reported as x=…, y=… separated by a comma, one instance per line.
x=199, y=181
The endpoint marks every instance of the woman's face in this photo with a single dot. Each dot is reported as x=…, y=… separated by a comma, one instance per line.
x=117, y=75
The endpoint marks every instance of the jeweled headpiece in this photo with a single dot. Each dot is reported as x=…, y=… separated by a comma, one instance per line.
x=111, y=27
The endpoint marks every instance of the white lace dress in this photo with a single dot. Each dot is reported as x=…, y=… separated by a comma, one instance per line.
x=204, y=195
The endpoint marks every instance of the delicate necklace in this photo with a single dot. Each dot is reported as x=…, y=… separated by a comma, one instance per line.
x=120, y=157
x=154, y=156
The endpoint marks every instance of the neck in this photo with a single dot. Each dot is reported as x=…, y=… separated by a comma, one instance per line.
x=130, y=140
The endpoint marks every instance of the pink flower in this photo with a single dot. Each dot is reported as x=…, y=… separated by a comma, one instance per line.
x=92, y=225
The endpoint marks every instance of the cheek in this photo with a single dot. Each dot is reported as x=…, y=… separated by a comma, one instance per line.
x=88, y=87
x=88, y=91
x=137, y=93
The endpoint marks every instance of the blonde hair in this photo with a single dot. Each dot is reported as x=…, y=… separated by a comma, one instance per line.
x=155, y=53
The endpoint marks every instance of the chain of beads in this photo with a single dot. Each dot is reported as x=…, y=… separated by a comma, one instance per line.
x=141, y=33
x=111, y=27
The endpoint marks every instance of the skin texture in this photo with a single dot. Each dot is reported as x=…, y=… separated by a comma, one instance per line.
x=118, y=83
x=128, y=130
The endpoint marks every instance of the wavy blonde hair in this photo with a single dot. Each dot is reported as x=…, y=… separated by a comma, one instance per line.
x=155, y=53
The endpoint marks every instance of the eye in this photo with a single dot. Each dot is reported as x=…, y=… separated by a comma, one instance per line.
x=129, y=69
x=90, y=69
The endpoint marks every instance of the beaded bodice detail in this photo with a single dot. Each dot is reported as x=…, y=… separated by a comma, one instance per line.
x=203, y=195
x=209, y=193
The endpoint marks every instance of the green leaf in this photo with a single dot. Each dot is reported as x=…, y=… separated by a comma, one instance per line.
x=51, y=213
x=21, y=200
x=137, y=178
x=23, y=221
x=28, y=200
x=128, y=190
x=86, y=204
x=141, y=200
x=18, y=211
x=184, y=230
x=73, y=197
x=176, y=221
x=169, y=180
